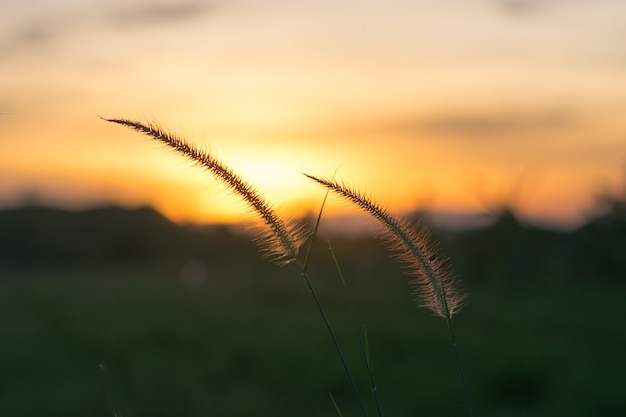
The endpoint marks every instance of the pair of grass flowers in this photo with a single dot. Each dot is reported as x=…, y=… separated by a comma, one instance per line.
x=433, y=284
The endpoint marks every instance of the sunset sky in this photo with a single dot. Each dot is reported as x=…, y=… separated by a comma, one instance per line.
x=460, y=106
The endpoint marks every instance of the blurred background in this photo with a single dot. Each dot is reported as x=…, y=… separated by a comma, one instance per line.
x=130, y=286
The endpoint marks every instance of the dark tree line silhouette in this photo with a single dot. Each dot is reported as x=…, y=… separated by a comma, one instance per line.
x=508, y=250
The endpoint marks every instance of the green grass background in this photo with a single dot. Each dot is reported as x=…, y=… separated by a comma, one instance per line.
x=95, y=320
x=249, y=342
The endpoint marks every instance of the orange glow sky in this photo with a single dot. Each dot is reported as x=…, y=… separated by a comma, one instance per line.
x=448, y=105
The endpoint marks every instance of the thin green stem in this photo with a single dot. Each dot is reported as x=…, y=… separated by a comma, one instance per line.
x=307, y=257
x=459, y=365
x=303, y=271
x=361, y=335
x=102, y=370
x=314, y=234
x=335, y=404
x=283, y=241
x=333, y=336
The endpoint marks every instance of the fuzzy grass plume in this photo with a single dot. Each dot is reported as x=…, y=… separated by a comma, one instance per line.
x=281, y=241
x=434, y=285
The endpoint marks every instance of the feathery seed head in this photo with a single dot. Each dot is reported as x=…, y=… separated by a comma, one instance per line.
x=281, y=241
x=433, y=284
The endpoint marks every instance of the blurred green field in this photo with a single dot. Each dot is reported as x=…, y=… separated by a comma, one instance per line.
x=134, y=340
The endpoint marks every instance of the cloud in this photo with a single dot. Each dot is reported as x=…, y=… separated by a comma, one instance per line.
x=52, y=26
x=528, y=7
x=31, y=35
x=489, y=125
x=518, y=7
x=152, y=13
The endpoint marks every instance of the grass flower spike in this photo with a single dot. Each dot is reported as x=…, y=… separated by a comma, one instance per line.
x=282, y=241
x=434, y=285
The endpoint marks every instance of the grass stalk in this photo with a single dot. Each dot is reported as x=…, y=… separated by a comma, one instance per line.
x=361, y=335
x=281, y=241
x=333, y=337
x=307, y=257
x=105, y=387
x=433, y=284
x=332, y=399
x=459, y=365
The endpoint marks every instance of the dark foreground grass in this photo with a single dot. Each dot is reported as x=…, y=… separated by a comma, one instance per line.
x=249, y=342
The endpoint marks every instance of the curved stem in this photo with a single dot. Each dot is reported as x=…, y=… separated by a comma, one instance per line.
x=459, y=365
x=331, y=332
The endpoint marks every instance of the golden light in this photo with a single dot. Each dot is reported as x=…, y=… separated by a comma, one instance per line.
x=411, y=103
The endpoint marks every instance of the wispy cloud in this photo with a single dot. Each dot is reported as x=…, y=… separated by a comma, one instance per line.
x=32, y=34
x=157, y=13
x=490, y=124
x=518, y=7
x=29, y=35
x=46, y=27
x=527, y=7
